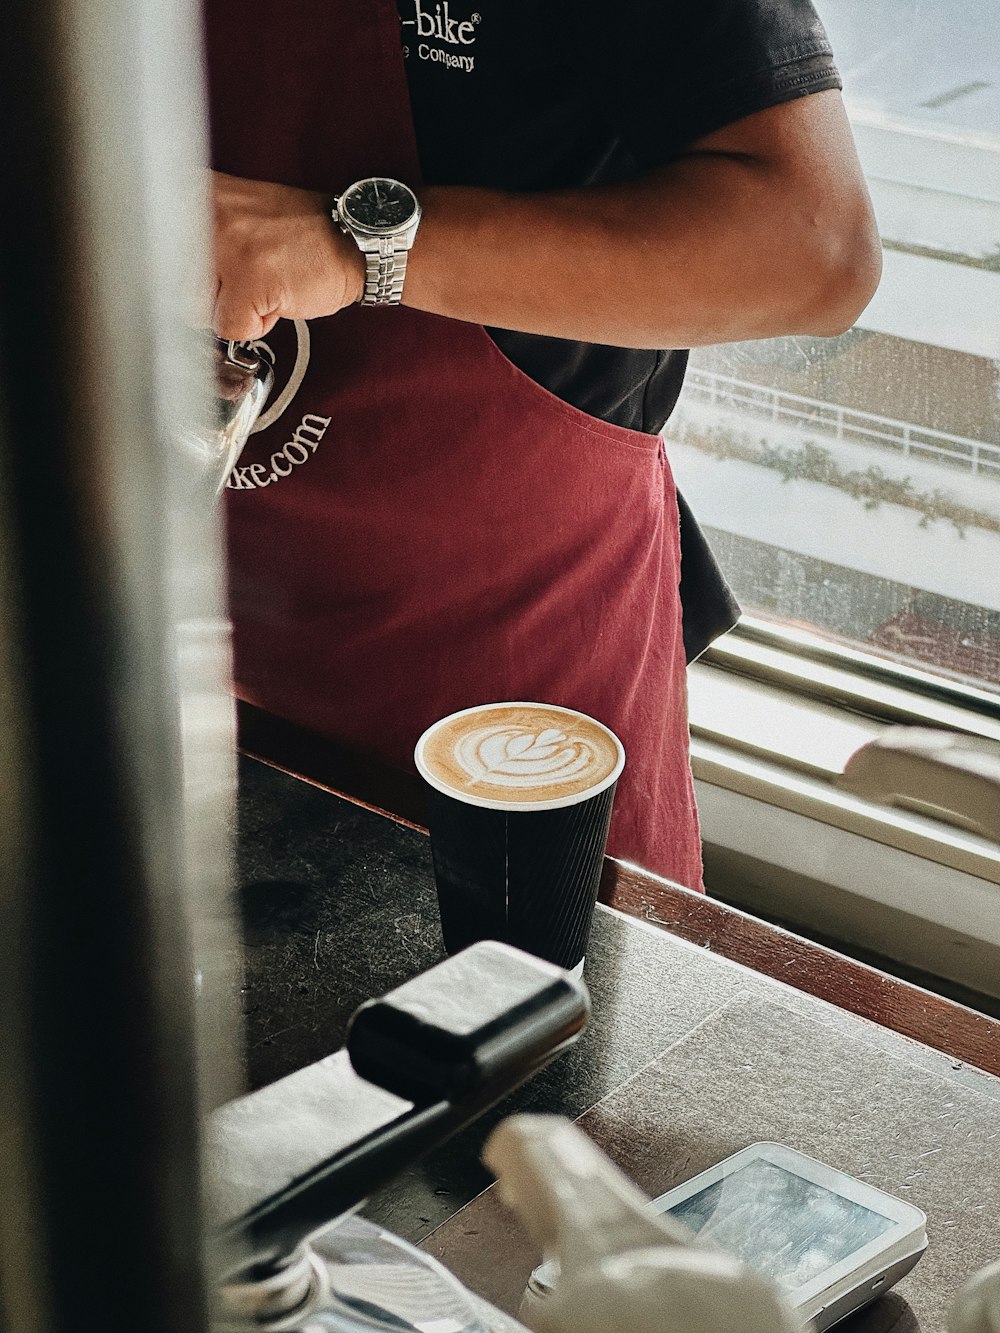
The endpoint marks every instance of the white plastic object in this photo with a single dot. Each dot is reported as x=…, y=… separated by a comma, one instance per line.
x=976, y=1308
x=620, y=1266
x=943, y=774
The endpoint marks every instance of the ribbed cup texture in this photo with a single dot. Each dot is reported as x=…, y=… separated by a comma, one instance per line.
x=528, y=878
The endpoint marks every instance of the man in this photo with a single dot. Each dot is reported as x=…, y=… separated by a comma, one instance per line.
x=467, y=499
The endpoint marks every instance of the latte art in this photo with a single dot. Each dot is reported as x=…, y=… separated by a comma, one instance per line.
x=519, y=756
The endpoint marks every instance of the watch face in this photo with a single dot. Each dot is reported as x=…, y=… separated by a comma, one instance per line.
x=379, y=204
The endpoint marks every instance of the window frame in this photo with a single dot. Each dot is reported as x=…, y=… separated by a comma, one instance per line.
x=783, y=840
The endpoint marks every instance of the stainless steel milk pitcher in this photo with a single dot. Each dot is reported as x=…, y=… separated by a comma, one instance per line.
x=242, y=380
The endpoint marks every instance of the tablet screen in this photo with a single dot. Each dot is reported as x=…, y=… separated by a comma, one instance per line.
x=778, y=1223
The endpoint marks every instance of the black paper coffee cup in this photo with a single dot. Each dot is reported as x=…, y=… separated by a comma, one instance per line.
x=519, y=802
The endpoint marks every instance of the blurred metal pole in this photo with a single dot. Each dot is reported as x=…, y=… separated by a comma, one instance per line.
x=116, y=735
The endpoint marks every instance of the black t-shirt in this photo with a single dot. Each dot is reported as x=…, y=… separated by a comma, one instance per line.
x=546, y=94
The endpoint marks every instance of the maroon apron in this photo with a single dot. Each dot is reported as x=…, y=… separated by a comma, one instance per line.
x=420, y=527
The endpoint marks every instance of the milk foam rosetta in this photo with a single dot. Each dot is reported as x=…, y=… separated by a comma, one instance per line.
x=519, y=753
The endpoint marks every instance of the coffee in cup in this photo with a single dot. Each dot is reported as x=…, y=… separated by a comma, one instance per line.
x=519, y=803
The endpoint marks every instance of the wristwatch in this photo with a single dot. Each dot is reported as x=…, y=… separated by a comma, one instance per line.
x=382, y=215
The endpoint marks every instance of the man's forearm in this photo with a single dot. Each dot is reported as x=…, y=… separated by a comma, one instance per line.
x=719, y=246
x=706, y=261
x=762, y=229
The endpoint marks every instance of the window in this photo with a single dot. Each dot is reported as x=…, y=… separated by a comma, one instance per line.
x=851, y=489
x=852, y=485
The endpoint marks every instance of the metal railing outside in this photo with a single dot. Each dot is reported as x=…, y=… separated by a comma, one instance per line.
x=840, y=423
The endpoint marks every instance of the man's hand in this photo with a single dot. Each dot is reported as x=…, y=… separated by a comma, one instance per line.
x=277, y=256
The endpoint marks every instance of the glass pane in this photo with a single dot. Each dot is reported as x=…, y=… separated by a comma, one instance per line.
x=853, y=484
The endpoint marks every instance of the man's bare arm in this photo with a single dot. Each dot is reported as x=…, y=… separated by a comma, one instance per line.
x=761, y=229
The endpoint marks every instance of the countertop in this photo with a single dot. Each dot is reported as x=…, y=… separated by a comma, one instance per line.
x=688, y=1056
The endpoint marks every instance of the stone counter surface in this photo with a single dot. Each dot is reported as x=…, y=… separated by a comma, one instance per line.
x=688, y=1056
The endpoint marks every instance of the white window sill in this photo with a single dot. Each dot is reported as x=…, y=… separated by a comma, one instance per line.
x=784, y=840
x=760, y=741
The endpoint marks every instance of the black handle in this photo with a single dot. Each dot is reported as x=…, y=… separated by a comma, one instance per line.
x=427, y=1058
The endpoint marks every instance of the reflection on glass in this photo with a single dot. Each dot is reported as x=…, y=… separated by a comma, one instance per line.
x=778, y=1223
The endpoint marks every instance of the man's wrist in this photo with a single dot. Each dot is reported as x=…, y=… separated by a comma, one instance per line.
x=352, y=264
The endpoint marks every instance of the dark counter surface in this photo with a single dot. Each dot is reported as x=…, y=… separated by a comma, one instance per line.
x=688, y=1055
x=338, y=904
